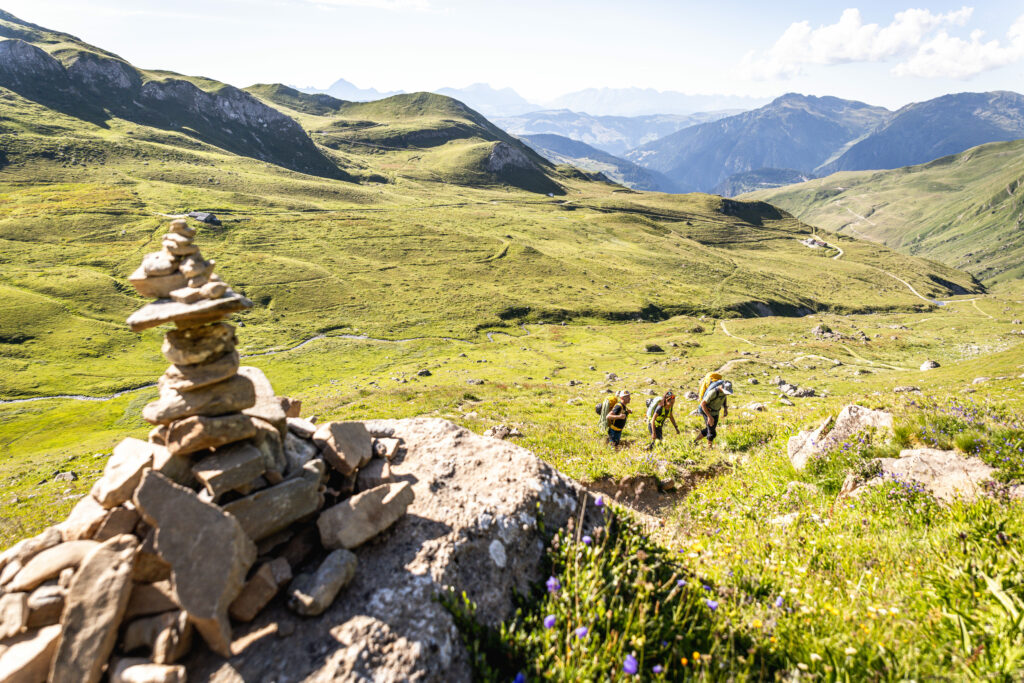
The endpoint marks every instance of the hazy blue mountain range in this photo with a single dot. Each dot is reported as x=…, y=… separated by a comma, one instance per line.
x=644, y=101
x=923, y=131
x=491, y=102
x=562, y=150
x=614, y=134
x=344, y=90
x=792, y=132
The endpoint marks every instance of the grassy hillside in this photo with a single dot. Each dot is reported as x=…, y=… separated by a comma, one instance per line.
x=964, y=210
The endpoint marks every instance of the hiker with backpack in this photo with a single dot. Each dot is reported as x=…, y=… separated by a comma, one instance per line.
x=715, y=399
x=614, y=412
x=659, y=409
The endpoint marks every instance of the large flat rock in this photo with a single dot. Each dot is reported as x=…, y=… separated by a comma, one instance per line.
x=472, y=525
x=168, y=311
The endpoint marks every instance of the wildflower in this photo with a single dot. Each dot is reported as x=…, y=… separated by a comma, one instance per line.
x=520, y=678
x=696, y=656
x=587, y=540
x=549, y=621
x=684, y=661
x=802, y=666
x=850, y=651
x=630, y=666
x=815, y=657
x=779, y=601
x=582, y=632
x=756, y=623
x=657, y=668
x=707, y=588
x=712, y=604
x=599, y=501
x=553, y=584
x=681, y=583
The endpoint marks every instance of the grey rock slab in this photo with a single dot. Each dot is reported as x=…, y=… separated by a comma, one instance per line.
x=27, y=657
x=120, y=520
x=947, y=475
x=297, y=452
x=197, y=433
x=198, y=344
x=94, y=607
x=261, y=589
x=386, y=447
x=45, y=605
x=828, y=435
x=122, y=472
x=207, y=549
x=346, y=446
x=376, y=473
x=84, y=520
x=167, y=636
x=311, y=594
x=301, y=427
x=139, y=670
x=230, y=396
x=388, y=624
x=151, y=598
x=269, y=442
x=187, y=295
x=166, y=311
x=13, y=614
x=24, y=550
x=229, y=467
x=159, y=263
x=267, y=406
x=50, y=563
x=356, y=520
x=156, y=286
x=199, y=375
x=272, y=509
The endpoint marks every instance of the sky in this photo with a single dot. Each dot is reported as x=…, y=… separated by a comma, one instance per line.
x=885, y=53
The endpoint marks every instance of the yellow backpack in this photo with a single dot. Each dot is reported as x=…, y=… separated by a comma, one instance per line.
x=706, y=382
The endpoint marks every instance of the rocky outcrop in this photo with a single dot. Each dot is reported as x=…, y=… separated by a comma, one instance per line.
x=831, y=434
x=947, y=475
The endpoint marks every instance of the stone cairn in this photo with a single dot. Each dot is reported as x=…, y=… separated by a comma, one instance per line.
x=232, y=499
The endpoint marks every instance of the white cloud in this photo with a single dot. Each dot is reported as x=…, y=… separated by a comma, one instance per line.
x=951, y=57
x=915, y=35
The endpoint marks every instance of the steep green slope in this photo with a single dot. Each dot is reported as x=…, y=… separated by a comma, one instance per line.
x=965, y=210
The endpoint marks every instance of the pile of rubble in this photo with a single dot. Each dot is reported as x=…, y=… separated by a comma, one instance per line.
x=788, y=389
x=207, y=521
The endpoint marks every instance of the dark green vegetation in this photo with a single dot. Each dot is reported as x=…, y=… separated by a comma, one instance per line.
x=562, y=150
x=965, y=210
x=762, y=178
x=794, y=132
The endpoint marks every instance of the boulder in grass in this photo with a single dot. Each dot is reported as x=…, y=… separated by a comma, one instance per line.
x=929, y=365
x=947, y=475
x=828, y=435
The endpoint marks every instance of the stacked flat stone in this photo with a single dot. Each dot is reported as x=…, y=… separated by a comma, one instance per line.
x=206, y=521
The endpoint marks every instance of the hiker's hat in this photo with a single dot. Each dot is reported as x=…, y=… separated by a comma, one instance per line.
x=727, y=387
x=623, y=394
x=669, y=394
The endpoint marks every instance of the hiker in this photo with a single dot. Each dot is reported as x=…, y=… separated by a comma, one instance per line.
x=617, y=417
x=659, y=410
x=715, y=399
